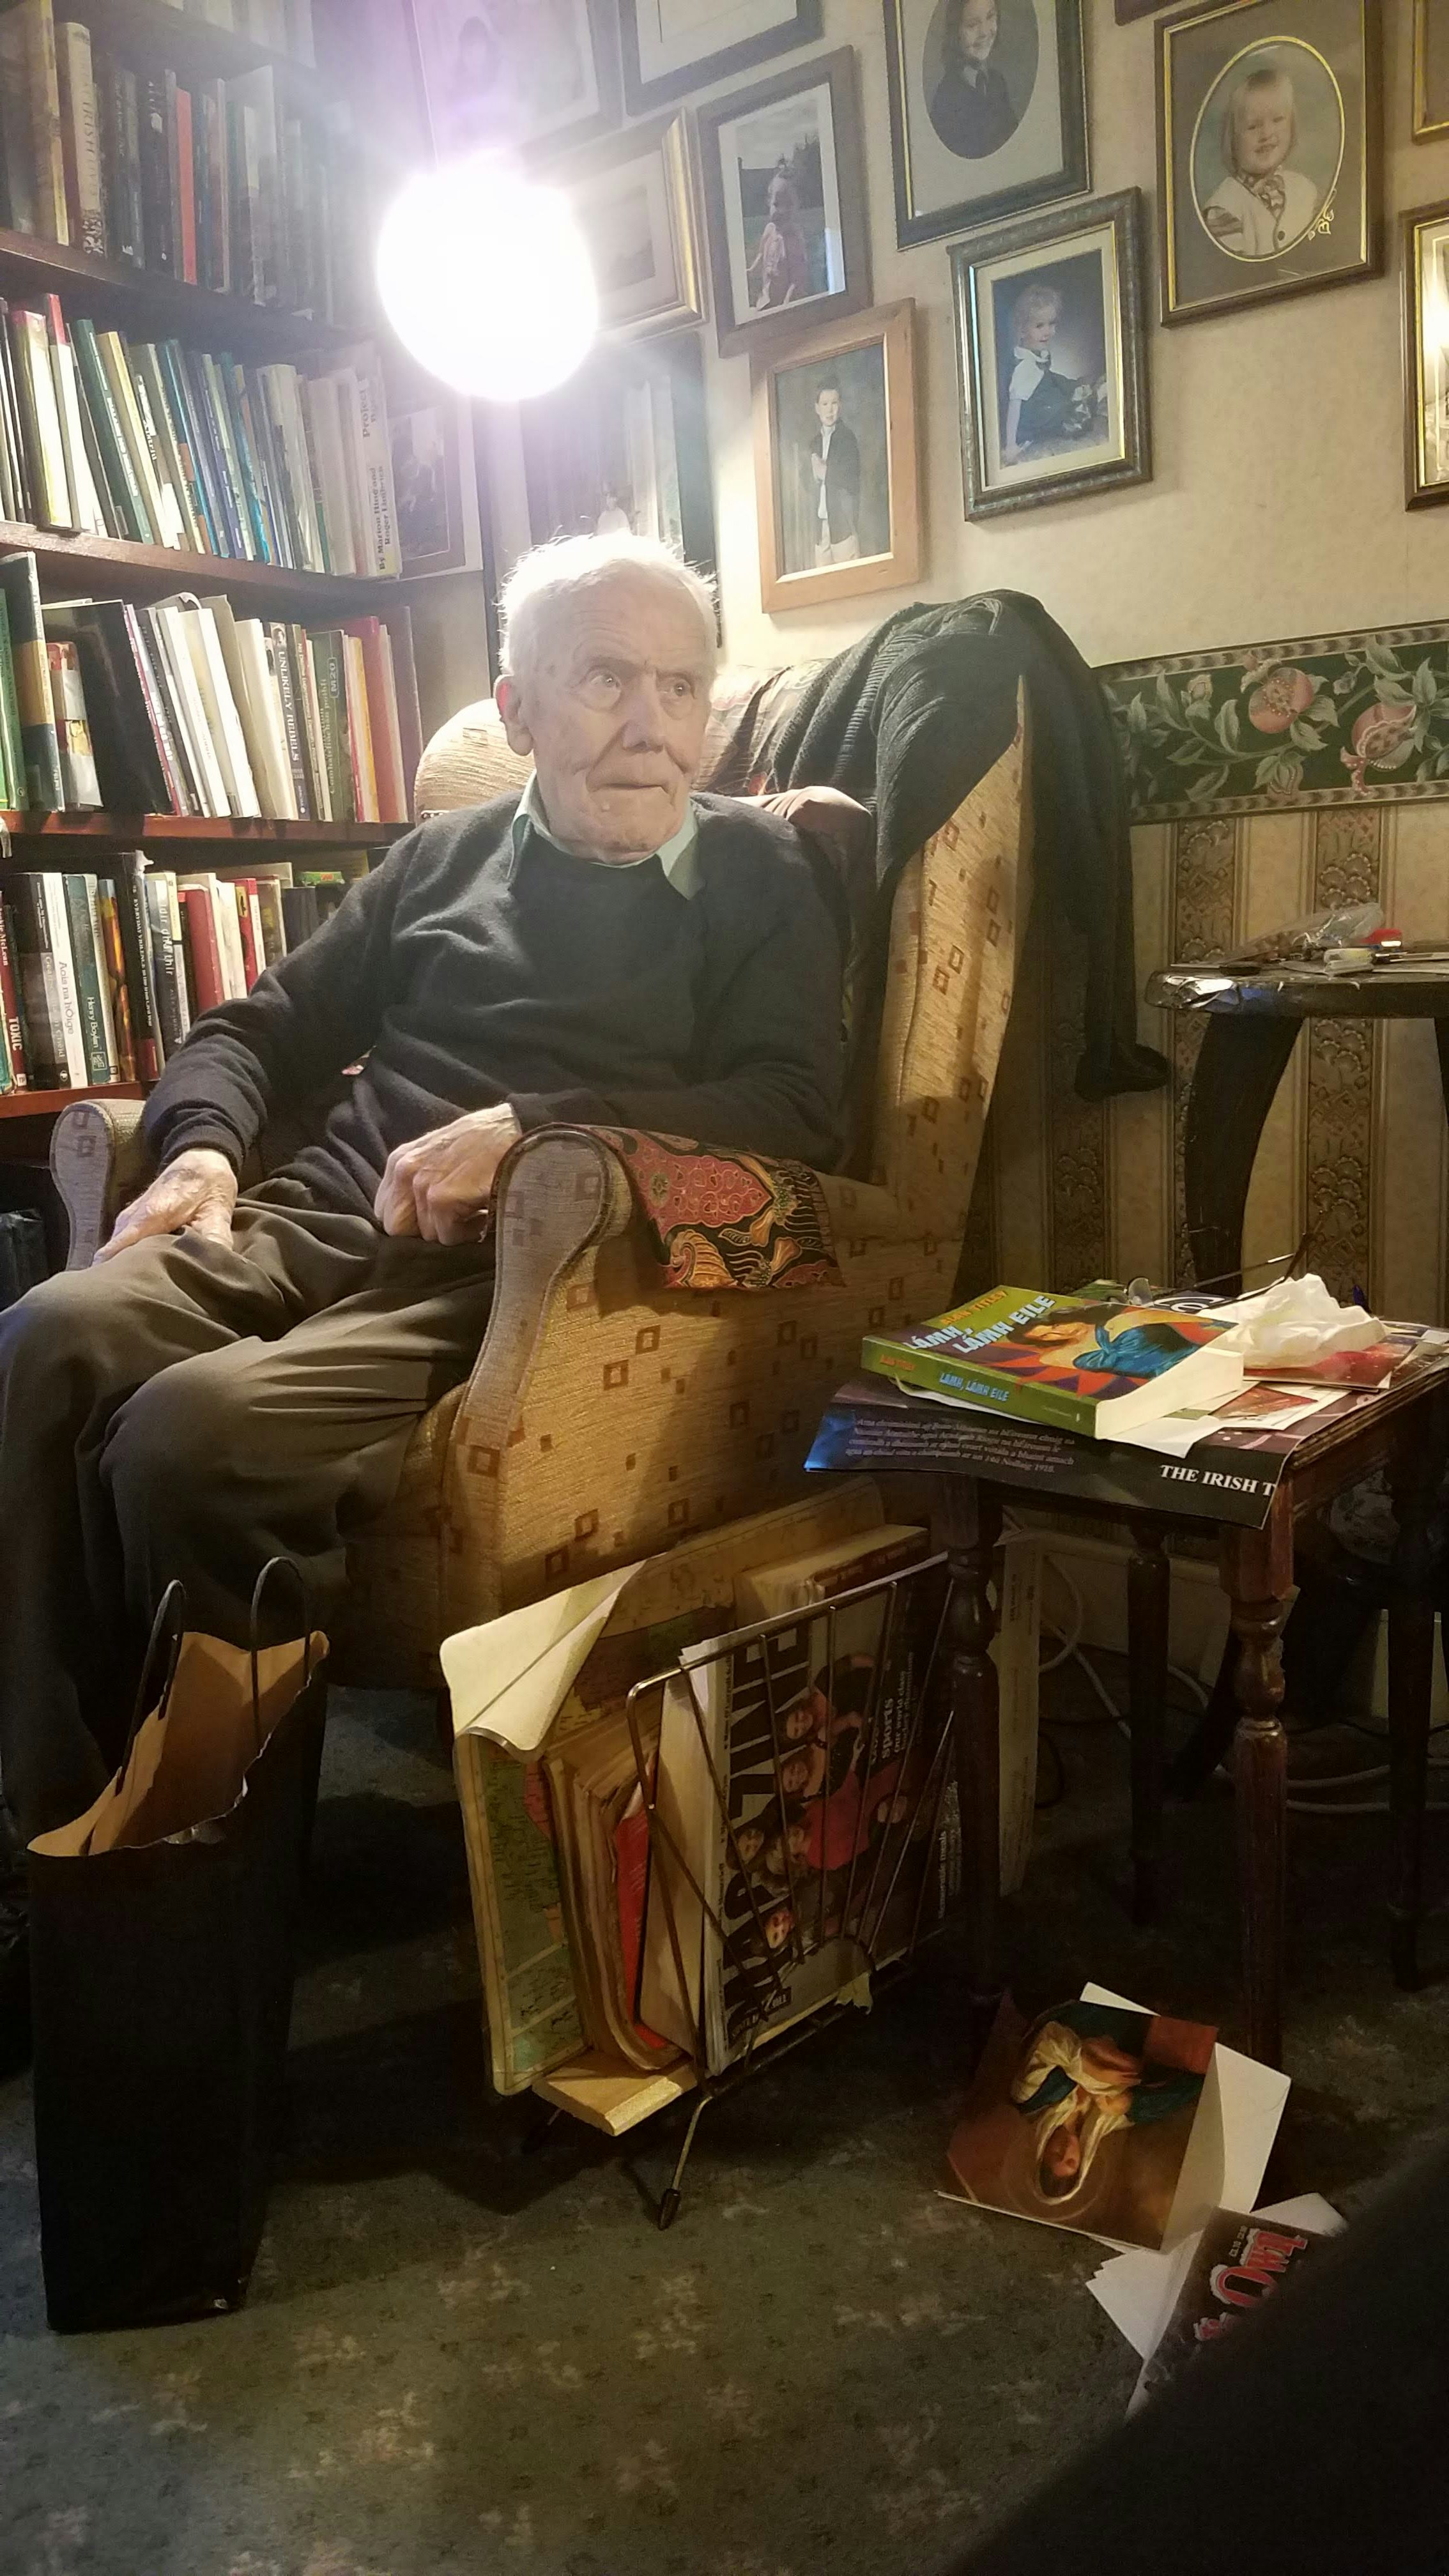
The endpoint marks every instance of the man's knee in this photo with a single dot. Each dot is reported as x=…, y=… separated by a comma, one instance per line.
x=50, y=1333
x=172, y=1443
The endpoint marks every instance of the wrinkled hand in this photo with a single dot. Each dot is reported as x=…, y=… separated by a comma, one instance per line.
x=832, y=817
x=439, y=1185
x=197, y=1191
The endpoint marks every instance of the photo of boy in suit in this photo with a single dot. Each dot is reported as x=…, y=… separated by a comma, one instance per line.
x=832, y=480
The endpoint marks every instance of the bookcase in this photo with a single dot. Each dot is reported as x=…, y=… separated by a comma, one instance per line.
x=184, y=45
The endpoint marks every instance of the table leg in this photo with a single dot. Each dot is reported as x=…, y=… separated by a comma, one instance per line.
x=969, y=1516
x=1149, y=1580
x=1257, y=1574
x=1414, y=1482
x=1240, y=1065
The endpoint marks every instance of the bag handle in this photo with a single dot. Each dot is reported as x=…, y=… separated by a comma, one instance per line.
x=170, y=1624
x=285, y=1565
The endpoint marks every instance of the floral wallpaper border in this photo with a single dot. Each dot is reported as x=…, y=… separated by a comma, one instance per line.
x=1330, y=720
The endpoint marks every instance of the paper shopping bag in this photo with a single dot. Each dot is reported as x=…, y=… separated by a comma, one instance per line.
x=163, y=1936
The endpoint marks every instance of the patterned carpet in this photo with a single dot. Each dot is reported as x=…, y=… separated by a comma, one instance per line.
x=460, y=2358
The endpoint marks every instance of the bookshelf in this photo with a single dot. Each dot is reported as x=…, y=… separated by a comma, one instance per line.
x=68, y=563
x=194, y=48
x=237, y=833
x=146, y=302
x=48, y=1104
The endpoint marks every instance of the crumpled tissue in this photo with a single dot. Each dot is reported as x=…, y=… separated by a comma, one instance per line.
x=1298, y=1320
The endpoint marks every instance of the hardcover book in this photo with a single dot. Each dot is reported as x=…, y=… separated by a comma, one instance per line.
x=1081, y=1364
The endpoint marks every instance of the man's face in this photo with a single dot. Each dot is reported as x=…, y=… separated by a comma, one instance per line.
x=979, y=24
x=615, y=717
x=827, y=407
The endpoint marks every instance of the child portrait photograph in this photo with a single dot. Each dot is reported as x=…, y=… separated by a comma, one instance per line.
x=1268, y=116
x=634, y=199
x=1050, y=338
x=784, y=179
x=988, y=109
x=836, y=465
x=505, y=72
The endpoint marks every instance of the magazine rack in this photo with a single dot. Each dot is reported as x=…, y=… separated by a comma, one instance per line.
x=861, y=1914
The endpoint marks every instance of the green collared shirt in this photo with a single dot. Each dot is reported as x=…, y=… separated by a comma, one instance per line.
x=678, y=856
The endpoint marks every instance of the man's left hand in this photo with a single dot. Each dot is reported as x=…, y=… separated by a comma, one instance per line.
x=439, y=1186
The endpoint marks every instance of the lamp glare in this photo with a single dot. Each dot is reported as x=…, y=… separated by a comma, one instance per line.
x=486, y=279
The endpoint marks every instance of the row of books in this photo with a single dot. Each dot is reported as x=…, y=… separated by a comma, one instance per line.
x=182, y=707
x=166, y=446
x=227, y=185
x=102, y=976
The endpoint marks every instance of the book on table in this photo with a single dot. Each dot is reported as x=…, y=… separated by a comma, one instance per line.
x=1086, y=1363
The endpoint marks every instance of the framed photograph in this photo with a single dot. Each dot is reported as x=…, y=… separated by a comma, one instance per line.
x=836, y=471
x=536, y=72
x=1426, y=356
x=624, y=444
x=784, y=187
x=1431, y=69
x=635, y=198
x=435, y=478
x=1050, y=337
x=988, y=110
x=1268, y=143
x=671, y=46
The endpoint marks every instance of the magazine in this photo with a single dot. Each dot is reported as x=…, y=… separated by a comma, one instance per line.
x=1230, y=1476
x=811, y=1830
x=1091, y=1364
x=1082, y=2118
x=1236, y=2265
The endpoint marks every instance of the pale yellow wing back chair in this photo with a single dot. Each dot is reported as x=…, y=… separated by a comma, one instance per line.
x=604, y=1418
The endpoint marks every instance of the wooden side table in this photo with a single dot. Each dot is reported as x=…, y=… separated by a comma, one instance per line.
x=1253, y=1019
x=1406, y=1432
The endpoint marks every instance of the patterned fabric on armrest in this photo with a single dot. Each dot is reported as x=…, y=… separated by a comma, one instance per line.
x=721, y=1220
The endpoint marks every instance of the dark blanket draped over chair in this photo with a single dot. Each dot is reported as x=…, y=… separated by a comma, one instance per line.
x=908, y=721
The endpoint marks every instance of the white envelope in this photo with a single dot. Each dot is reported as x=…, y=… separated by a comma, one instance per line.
x=509, y=1678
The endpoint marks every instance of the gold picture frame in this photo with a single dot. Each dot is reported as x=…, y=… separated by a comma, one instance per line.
x=1431, y=114
x=832, y=533
x=636, y=198
x=1426, y=356
x=1299, y=80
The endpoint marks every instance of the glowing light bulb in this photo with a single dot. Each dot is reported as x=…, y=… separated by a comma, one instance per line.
x=486, y=279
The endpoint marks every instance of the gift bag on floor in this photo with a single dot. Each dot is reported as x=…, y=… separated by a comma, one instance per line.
x=163, y=1934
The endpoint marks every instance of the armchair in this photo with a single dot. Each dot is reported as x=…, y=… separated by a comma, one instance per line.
x=606, y=1419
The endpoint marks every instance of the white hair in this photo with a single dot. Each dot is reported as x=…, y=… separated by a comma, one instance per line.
x=536, y=597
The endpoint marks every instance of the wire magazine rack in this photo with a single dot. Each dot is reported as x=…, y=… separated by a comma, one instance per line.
x=799, y=1904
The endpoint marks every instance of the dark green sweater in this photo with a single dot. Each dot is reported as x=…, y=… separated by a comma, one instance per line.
x=466, y=975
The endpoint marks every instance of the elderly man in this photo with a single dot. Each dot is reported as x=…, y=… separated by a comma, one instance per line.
x=240, y=1375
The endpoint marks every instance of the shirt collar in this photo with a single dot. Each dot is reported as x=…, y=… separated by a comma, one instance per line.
x=678, y=856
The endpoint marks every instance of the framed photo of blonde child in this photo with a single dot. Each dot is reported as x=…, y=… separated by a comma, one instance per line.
x=1050, y=337
x=1269, y=134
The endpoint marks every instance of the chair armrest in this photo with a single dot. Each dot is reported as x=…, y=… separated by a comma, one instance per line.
x=99, y=1159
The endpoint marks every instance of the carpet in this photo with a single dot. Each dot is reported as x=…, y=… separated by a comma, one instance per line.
x=461, y=2356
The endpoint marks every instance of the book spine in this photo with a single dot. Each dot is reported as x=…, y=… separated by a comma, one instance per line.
x=87, y=980
x=159, y=713
x=133, y=175
x=43, y=447
x=328, y=665
x=44, y=1036
x=12, y=749
x=156, y=175
x=57, y=911
x=21, y=586
x=194, y=465
x=117, y=988
x=205, y=952
x=140, y=978
x=110, y=436
x=10, y=998
x=280, y=661
x=48, y=144
x=163, y=962
x=17, y=140
x=80, y=138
